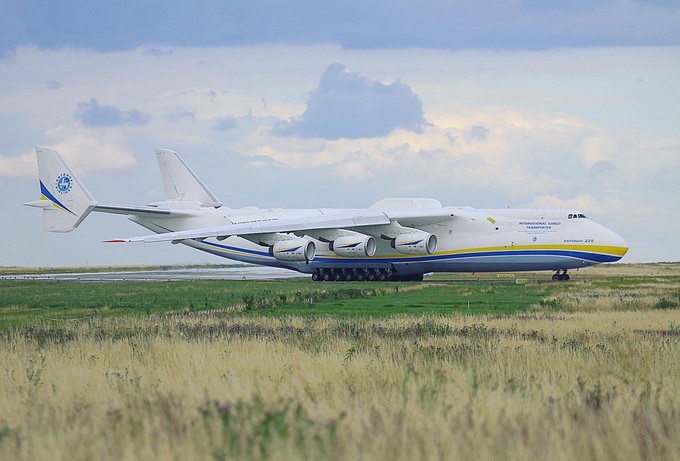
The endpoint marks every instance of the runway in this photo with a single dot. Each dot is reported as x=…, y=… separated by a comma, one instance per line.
x=222, y=273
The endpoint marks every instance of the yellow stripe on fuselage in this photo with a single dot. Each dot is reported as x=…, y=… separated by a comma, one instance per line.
x=602, y=249
x=599, y=249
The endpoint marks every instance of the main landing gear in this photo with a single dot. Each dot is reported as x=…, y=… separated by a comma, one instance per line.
x=360, y=275
x=563, y=277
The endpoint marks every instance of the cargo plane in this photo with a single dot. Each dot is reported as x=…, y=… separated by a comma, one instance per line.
x=397, y=239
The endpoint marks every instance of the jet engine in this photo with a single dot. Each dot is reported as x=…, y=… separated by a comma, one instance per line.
x=415, y=243
x=296, y=249
x=354, y=246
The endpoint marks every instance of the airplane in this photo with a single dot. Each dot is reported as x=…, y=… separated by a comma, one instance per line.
x=397, y=239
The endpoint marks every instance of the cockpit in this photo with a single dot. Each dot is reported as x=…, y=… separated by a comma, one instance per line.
x=577, y=216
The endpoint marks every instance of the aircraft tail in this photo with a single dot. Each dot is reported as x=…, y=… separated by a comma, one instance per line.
x=181, y=183
x=63, y=197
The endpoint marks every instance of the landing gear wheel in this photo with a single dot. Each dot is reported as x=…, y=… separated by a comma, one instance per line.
x=382, y=275
x=337, y=275
x=563, y=277
x=316, y=276
x=361, y=276
x=327, y=276
x=372, y=276
x=406, y=278
x=349, y=276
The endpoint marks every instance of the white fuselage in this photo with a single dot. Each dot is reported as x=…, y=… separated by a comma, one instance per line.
x=472, y=240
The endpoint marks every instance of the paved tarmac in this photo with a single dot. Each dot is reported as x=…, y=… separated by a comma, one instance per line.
x=225, y=273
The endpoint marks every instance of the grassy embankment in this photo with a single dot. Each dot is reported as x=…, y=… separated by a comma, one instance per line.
x=586, y=370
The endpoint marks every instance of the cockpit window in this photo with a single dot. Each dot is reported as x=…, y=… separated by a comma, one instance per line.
x=581, y=215
x=577, y=216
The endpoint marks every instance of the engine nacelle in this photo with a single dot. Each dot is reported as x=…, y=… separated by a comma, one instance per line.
x=354, y=246
x=415, y=243
x=296, y=249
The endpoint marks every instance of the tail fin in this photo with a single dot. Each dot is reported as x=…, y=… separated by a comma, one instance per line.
x=182, y=184
x=64, y=199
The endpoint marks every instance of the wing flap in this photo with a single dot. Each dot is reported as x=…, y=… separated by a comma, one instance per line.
x=420, y=217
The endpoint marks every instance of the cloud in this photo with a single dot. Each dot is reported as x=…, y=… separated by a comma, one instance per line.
x=225, y=123
x=535, y=24
x=532, y=159
x=601, y=166
x=158, y=52
x=91, y=150
x=350, y=105
x=85, y=150
x=53, y=84
x=477, y=133
x=93, y=114
x=528, y=154
x=579, y=202
x=178, y=114
x=17, y=166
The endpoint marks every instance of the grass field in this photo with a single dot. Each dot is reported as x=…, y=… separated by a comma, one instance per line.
x=453, y=368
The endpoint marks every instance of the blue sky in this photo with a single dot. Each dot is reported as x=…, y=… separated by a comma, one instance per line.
x=305, y=104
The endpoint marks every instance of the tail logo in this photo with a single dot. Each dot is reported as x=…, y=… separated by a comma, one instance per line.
x=64, y=183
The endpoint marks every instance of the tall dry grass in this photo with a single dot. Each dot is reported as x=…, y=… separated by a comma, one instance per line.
x=591, y=296
x=564, y=386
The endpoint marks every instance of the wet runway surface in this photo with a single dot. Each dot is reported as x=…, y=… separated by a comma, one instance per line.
x=223, y=273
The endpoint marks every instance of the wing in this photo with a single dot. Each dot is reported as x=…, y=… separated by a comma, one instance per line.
x=340, y=220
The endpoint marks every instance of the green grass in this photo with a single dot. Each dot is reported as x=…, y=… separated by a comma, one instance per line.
x=22, y=302
x=439, y=299
x=25, y=302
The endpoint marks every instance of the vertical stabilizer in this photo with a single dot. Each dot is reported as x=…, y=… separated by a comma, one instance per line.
x=181, y=183
x=63, y=197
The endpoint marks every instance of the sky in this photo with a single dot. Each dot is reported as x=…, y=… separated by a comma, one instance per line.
x=297, y=104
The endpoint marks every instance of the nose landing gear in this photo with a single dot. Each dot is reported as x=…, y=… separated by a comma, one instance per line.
x=563, y=277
